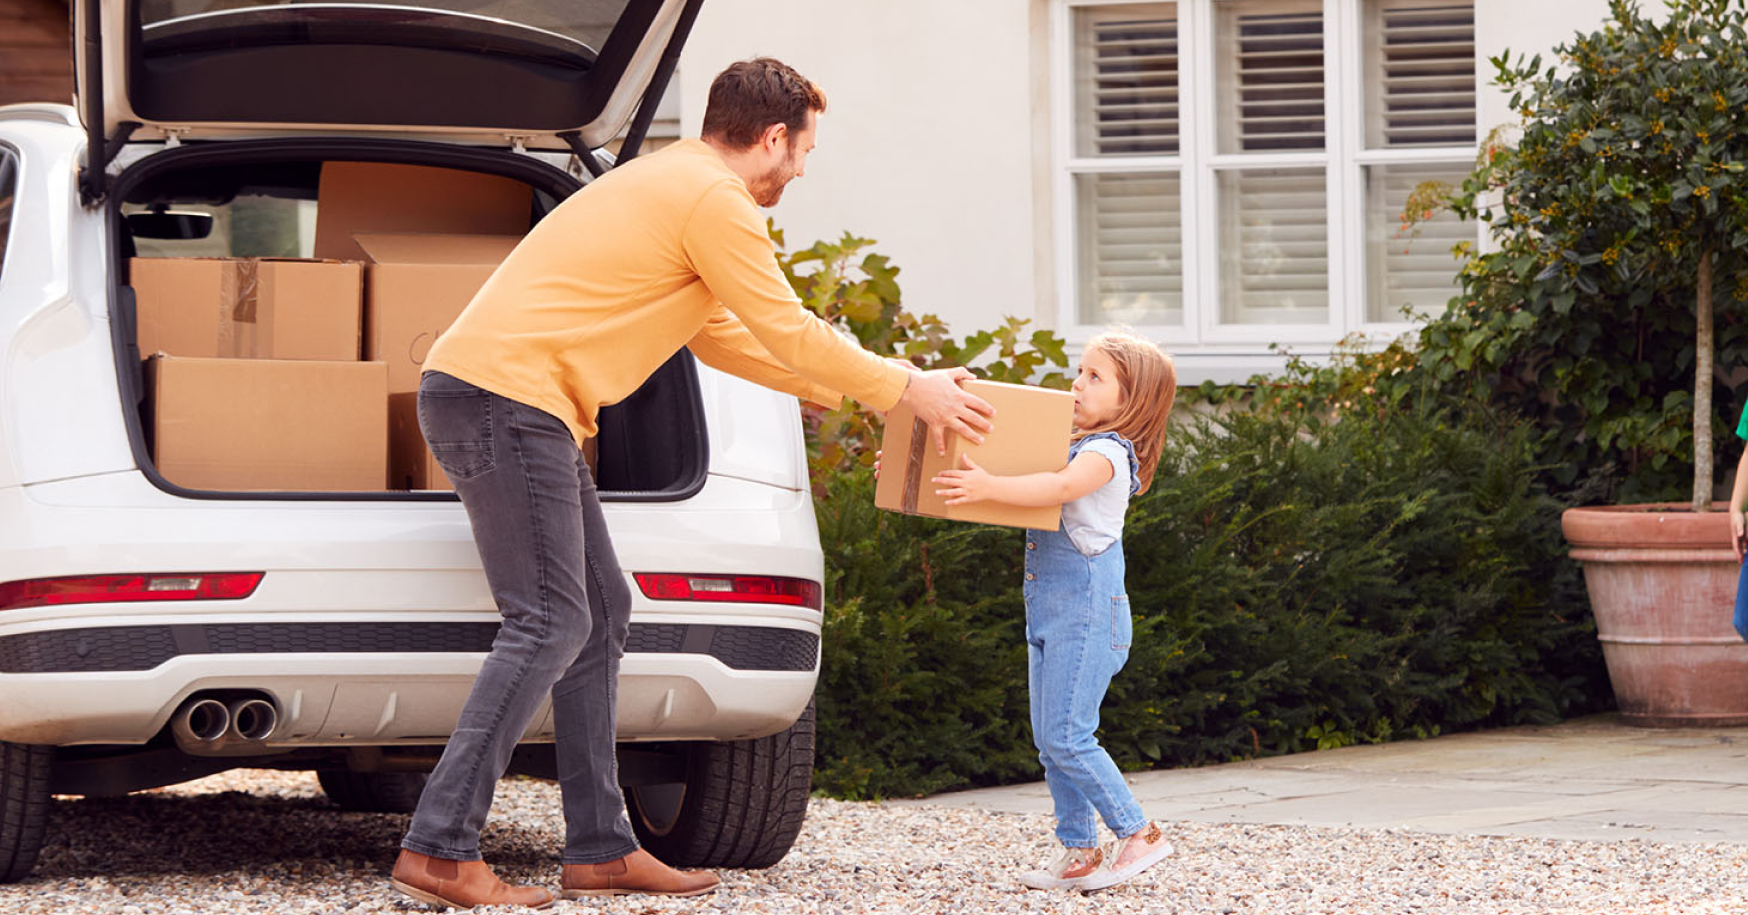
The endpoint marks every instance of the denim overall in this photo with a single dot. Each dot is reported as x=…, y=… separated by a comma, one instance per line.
x=1077, y=638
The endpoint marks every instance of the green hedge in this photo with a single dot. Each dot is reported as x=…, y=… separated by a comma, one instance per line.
x=1297, y=583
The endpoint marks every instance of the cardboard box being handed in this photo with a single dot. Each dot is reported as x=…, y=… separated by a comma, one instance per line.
x=1031, y=435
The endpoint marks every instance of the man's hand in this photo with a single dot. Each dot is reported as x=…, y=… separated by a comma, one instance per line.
x=939, y=401
x=970, y=483
x=1738, y=533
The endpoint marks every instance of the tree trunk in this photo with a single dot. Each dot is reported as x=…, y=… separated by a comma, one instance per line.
x=1702, y=387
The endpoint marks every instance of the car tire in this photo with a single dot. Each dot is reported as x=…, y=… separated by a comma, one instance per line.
x=741, y=804
x=24, y=807
x=373, y=792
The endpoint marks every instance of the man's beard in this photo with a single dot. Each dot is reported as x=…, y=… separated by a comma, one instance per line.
x=767, y=189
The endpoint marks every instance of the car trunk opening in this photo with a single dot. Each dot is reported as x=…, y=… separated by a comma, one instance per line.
x=542, y=74
x=276, y=299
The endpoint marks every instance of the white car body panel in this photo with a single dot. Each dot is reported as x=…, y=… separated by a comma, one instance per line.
x=74, y=502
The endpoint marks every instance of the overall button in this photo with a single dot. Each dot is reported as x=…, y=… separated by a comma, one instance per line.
x=1030, y=576
x=1030, y=545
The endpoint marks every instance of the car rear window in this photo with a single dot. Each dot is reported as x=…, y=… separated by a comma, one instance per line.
x=8, y=193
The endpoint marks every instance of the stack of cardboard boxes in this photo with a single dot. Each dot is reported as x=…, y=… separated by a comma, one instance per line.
x=289, y=375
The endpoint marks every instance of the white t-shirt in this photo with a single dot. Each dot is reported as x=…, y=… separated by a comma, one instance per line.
x=1095, y=521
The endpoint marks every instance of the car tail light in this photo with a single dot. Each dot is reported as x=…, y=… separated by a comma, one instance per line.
x=756, y=589
x=104, y=589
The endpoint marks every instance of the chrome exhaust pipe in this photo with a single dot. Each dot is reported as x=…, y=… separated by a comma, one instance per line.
x=201, y=721
x=253, y=720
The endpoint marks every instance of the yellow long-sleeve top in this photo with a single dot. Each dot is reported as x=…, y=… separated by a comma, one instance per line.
x=666, y=251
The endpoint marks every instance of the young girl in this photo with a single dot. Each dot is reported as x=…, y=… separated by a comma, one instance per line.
x=1077, y=609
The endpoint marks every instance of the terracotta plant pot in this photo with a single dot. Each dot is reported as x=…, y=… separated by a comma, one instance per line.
x=1662, y=583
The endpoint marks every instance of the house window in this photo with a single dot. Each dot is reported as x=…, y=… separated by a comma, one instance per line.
x=1127, y=187
x=1287, y=136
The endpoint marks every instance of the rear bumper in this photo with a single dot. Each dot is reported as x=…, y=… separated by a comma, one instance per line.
x=678, y=680
x=371, y=621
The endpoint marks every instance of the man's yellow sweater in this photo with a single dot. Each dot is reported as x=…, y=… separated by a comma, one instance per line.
x=667, y=251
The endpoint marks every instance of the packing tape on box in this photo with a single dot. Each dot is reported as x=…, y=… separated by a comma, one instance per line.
x=248, y=292
x=913, y=472
x=239, y=310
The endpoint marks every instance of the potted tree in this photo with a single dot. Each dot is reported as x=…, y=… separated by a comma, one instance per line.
x=1627, y=182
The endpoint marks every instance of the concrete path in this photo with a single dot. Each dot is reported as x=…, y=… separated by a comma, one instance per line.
x=1591, y=778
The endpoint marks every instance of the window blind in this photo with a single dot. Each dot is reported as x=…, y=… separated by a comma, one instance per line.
x=1271, y=61
x=1132, y=248
x=1412, y=268
x=1128, y=80
x=1274, y=246
x=1421, y=84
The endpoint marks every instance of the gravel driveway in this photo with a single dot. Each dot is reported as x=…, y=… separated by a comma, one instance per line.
x=253, y=841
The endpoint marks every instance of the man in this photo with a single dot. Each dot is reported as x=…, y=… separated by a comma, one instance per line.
x=668, y=251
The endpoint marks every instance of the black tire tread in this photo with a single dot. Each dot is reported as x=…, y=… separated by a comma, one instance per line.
x=372, y=792
x=751, y=800
x=24, y=807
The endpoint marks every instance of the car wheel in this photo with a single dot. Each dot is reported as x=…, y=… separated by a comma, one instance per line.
x=24, y=806
x=373, y=792
x=741, y=804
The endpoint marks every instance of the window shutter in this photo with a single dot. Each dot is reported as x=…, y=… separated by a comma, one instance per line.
x=1422, y=85
x=1274, y=246
x=1411, y=268
x=1132, y=248
x=1272, y=87
x=1127, y=80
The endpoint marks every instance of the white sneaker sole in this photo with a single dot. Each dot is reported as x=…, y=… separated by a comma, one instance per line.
x=1042, y=880
x=1105, y=879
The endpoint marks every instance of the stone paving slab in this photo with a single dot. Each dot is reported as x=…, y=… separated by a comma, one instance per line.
x=1592, y=778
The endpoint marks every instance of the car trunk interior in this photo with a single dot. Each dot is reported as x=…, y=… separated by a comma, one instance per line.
x=276, y=301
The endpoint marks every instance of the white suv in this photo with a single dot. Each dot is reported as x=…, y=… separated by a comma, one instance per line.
x=151, y=634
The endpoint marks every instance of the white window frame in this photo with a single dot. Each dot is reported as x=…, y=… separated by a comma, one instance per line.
x=1344, y=160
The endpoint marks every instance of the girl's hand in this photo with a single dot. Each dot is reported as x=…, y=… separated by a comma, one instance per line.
x=1738, y=534
x=877, y=465
x=970, y=483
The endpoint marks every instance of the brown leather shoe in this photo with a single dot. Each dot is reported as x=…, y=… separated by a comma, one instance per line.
x=638, y=872
x=460, y=884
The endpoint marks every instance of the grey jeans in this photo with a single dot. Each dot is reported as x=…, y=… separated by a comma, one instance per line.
x=543, y=543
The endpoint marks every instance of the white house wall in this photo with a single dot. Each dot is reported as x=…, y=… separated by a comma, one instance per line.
x=938, y=141
x=927, y=143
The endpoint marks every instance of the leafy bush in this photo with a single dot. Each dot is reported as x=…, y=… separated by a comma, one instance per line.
x=1613, y=211
x=1301, y=577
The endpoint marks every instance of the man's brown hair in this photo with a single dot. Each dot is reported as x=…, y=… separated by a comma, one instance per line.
x=751, y=95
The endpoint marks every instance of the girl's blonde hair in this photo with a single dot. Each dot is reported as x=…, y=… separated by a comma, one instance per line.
x=1148, y=379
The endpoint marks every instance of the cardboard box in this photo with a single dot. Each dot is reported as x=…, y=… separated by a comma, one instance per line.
x=269, y=424
x=241, y=307
x=410, y=464
x=414, y=287
x=354, y=197
x=1031, y=435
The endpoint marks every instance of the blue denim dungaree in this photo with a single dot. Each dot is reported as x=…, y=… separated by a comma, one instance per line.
x=1077, y=638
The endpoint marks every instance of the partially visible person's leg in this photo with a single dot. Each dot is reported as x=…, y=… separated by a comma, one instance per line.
x=1741, y=619
x=1077, y=667
x=514, y=468
x=1076, y=826
x=584, y=702
x=601, y=856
